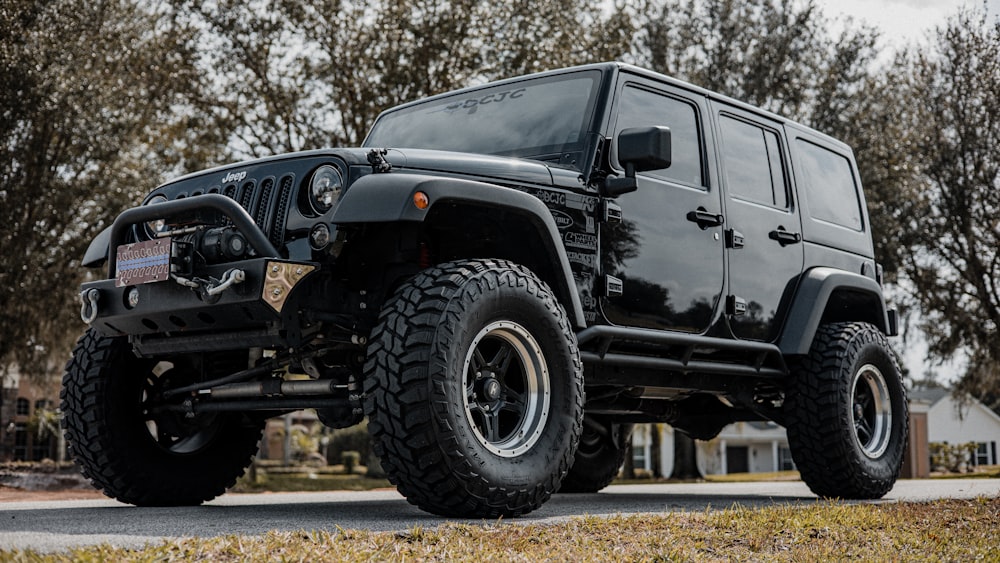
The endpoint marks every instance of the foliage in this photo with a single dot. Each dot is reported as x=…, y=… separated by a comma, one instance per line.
x=295, y=75
x=350, y=461
x=952, y=530
x=951, y=457
x=305, y=441
x=87, y=87
x=353, y=439
x=954, y=255
x=781, y=55
x=44, y=423
x=102, y=100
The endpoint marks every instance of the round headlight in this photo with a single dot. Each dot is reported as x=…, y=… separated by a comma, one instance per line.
x=159, y=225
x=324, y=188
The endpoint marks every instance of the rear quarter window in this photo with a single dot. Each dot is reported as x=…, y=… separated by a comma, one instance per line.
x=829, y=180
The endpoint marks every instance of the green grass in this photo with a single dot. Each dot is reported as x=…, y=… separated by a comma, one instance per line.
x=953, y=530
x=328, y=478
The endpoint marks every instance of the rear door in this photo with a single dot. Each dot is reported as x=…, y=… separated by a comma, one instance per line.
x=763, y=231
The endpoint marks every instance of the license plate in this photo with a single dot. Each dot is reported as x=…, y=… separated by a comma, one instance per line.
x=142, y=262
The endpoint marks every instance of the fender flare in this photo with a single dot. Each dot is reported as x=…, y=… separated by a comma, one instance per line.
x=388, y=198
x=810, y=301
x=97, y=252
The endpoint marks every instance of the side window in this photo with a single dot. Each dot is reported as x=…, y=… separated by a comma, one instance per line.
x=751, y=160
x=829, y=181
x=642, y=108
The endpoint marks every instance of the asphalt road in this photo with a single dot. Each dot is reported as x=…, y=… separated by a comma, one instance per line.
x=58, y=525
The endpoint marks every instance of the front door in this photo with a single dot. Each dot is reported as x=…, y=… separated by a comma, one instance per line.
x=668, y=250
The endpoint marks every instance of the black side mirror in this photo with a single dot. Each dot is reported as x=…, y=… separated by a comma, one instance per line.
x=639, y=149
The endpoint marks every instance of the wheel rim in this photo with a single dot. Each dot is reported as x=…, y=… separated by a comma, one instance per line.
x=173, y=431
x=871, y=411
x=506, y=384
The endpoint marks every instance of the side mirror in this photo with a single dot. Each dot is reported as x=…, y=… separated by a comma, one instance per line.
x=639, y=149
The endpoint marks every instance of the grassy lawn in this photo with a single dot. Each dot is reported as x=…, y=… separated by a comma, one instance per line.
x=327, y=478
x=946, y=530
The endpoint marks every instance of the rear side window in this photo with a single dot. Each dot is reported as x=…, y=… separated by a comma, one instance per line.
x=829, y=181
x=751, y=157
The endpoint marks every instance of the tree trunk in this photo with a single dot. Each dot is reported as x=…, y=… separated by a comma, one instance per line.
x=628, y=471
x=655, y=445
x=685, y=462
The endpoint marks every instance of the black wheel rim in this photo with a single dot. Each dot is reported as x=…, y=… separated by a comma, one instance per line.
x=871, y=411
x=171, y=429
x=506, y=382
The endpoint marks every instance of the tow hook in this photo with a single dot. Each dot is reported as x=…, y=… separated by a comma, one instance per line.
x=88, y=309
x=212, y=287
x=231, y=277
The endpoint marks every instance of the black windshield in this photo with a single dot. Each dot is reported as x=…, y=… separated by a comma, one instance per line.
x=545, y=118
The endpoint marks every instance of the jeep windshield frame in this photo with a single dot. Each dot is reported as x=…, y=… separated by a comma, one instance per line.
x=547, y=118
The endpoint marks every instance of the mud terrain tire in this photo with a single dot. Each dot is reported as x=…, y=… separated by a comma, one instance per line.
x=846, y=413
x=141, y=458
x=474, y=390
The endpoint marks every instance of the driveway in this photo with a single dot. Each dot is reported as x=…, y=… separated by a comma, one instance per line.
x=58, y=525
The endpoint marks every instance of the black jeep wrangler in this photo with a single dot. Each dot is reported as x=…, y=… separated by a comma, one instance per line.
x=503, y=280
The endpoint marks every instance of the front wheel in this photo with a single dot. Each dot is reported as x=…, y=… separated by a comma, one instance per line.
x=846, y=413
x=474, y=390
x=131, y=448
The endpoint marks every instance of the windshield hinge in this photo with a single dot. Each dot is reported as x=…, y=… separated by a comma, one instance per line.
x=376, y=157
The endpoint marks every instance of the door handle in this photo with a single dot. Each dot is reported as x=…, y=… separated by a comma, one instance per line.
x=704, y=218
x=784, y=237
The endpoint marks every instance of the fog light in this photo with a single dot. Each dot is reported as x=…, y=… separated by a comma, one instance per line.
x=319, y=236
x=133, y=298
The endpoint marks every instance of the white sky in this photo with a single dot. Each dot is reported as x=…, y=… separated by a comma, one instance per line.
x=902, y=21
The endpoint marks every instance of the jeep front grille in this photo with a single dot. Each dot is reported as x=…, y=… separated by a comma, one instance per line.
x=268, y=206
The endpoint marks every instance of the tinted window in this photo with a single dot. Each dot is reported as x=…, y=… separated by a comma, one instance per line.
x=751, y=159
x=544, y=117
x=829, y=180
x=642, y=108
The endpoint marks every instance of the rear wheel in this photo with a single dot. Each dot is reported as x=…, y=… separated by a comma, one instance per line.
x=474, y=390
x=131, y=448
x=846, y=413
x=599, y=457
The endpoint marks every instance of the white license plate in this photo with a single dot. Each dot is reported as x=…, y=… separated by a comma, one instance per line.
x=142, y=262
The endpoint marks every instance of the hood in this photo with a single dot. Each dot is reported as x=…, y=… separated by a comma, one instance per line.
x=517, y=170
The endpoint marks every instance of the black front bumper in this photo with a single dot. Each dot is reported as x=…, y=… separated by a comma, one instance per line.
x=264, y=303
x=167, y=316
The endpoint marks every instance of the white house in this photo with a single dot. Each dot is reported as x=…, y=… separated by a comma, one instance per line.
x=742, y=447
x=756, y=447
x=950, y=420
x=746, y=447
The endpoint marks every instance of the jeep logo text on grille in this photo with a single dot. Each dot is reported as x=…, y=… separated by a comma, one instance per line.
x=234, y=177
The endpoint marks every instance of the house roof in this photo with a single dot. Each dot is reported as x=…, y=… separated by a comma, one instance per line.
x=931, y=396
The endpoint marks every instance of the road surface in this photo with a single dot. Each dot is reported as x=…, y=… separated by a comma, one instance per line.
x=57, y=525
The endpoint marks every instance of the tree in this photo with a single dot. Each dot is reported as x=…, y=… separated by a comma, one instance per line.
x=781, y=56
x=86, y=93
x=299, y=75
x=954, y=261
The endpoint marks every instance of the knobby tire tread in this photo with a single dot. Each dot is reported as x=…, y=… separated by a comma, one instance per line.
x=819, y=427
x=113, y=464
x=432, y=474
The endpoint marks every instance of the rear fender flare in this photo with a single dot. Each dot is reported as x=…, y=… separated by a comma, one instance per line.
x=812, y=297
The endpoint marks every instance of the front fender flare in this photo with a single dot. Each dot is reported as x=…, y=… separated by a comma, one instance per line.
x=98, y=250
x=387, y=198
